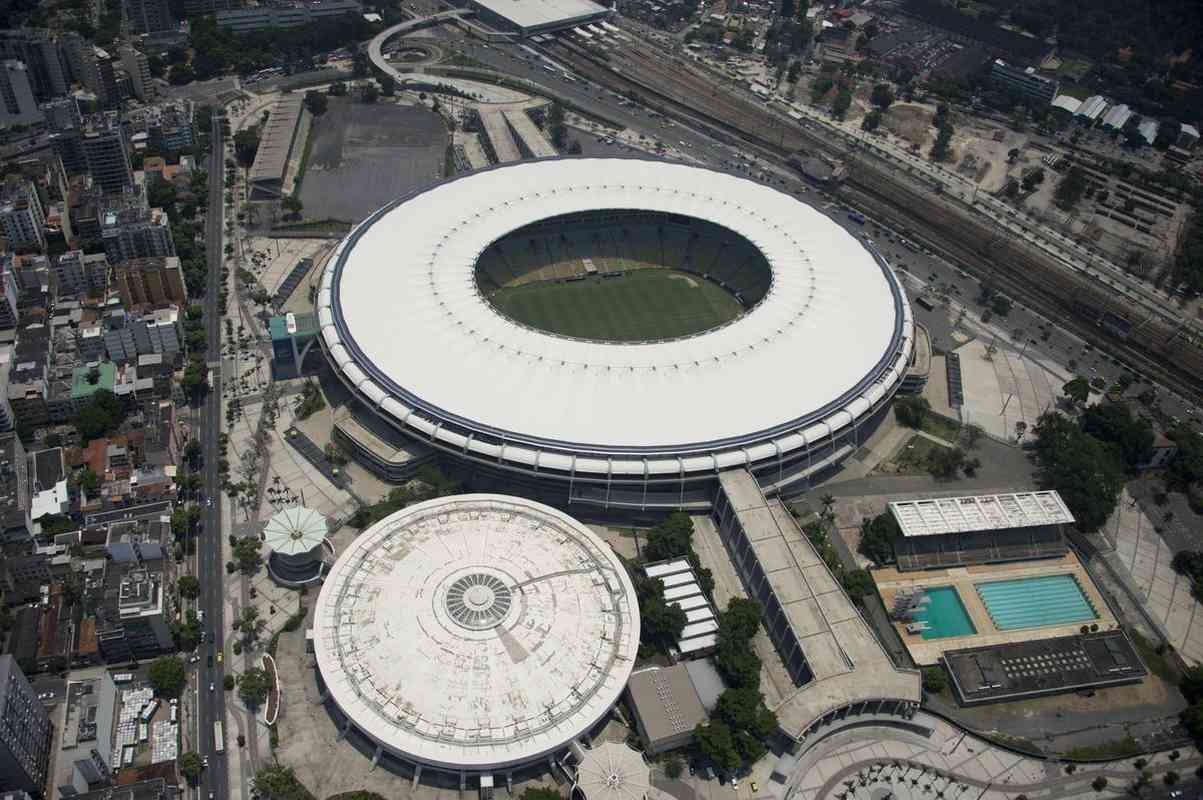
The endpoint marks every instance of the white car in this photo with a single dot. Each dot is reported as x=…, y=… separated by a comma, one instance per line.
x=210, y=687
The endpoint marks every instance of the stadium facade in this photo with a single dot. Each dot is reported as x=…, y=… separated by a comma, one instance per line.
x=475, y=634
x=787, y=389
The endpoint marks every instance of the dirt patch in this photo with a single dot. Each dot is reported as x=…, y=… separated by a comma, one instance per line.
x=911, y=122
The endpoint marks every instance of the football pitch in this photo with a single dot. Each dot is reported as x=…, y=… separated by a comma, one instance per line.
x=639, y=305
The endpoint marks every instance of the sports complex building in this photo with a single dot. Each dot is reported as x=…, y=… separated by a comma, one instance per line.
x=475, y=635
x=616, y=332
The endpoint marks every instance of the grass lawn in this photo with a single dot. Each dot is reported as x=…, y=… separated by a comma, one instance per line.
x=637, y=306
x=912, y=459
x=944, y=428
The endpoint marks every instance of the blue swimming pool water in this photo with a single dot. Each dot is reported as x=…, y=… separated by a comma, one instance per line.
x=944, y=614
x=1035, y=602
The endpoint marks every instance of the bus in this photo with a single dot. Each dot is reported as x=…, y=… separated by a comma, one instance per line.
x=856, y=217
x=219, y=738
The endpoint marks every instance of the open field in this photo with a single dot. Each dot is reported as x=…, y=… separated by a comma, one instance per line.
x=639, y=305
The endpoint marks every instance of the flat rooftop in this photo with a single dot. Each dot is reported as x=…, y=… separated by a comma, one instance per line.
x=539, y=13
x=979, y=513
x=1047, y=666
x=276, y=139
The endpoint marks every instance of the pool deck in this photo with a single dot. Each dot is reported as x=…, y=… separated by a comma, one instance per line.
x=928, y=651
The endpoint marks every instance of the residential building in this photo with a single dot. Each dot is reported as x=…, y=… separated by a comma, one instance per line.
x=108, y=88
x=40, y=53
x=17, y=103
x=29, y=374
x=62, y=113
x=8, y=297
x=169, y=126
x=79, y=55
x=25, y=732
x=244, y=20
x=106, y=153
x=137, y=66
x=154, y=281
x=67, y=144
x=146, y=16
x=133, y=615
x=15, y=523
x=131, y=231
x=74, y=273
x=128, y=338
x=22, y=218
x=1188, y=137
x=1024, y=80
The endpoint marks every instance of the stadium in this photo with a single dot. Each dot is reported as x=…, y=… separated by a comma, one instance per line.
x=475, y=634
x=616, y=331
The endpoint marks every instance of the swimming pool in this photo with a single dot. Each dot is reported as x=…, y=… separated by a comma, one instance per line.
x=944, y=614
x=1036, y=602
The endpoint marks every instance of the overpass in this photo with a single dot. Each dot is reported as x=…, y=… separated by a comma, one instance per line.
x=376, y=46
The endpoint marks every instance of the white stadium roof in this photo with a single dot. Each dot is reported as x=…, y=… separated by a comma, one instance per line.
x=982, y=513
x=295, y=530
x=613, y=771
x=405, y=323
x=476, y=632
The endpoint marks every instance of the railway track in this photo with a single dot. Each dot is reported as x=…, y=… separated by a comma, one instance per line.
x=1150, y=345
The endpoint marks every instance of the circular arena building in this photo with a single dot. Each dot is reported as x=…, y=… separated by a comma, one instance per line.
x=616, y=331
x=476, y=633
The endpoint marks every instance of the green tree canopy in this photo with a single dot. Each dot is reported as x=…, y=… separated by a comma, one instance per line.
x=660, y=623
x=167, y=675
x=1077, y=390
x=882, y=96
x=1115, y=424
x=191, y=766
x=744, y=710
x=102, y=415
x=189, y=586
x=672, y=538
x=716, y=743
x=280, y=783
x=911, y=410
x=877, y=538
x=253, y=686
x=1087, y=473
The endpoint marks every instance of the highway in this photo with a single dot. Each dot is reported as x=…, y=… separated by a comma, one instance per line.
x=211, y=704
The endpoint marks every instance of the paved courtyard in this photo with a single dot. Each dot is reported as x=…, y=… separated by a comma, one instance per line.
x=1146, y=558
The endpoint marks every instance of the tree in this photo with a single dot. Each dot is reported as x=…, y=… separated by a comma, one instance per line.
x=181, y=75
x=871, y=121
x=193, y=454
x=877, y=538
x=280, y=783
x=338, y=89
x=253, y=686
x=228, y=682
x=939, y=149
x=1115, y=424
x=246, y=145
x=292, y=204
x=673, y=767
x=1087, y=473
x=911, y=410
x=672, y=538
x=191, y=766
x=882, y=96
x=1070, y=189
x=88, y=481
x=820, y=88
x=1077, y=391
x=189, y=586
x=103, y=414
x=541, y=793
x=316, y=102
x=841, y=104
x=554, y=120
x=660, y=623
x=718, y=745
x=246, y=553
x=857, y=583
x=1170, y=778
x=934, y=680
x=1099, y=783
x=744, y=710
x=167, y=675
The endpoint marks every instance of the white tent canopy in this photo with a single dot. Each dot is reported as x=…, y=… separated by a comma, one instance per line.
x=295, y=531
x=613, y=771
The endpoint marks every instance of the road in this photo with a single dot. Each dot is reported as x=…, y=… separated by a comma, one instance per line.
x=211, y=704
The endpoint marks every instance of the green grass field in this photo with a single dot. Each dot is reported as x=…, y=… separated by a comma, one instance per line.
x=640, y=305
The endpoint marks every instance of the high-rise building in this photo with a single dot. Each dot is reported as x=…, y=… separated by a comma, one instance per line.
x=146, y=16
x=108, y=89
x=22, y=218
x=106, y=153
x=40, y=53
x=137, y=66
x=8, y=302
x=79, y=55
x=62, y=113
x=136, y=233
x=15, y=522
x=17, y=103
x=25, y=732
x=73, y=273
x=156, y=281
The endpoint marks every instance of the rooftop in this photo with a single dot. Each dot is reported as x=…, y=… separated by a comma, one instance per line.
x=613, y=771
x=275, y=141
x=534, y=13
x=1025, y=669
x=981, y=513
x=666, y=701
x=295, y=530
x=515, y=628
x=87, y=381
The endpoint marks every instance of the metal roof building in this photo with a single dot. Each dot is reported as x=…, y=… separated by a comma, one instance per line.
x=681, y=588
x=613, y=771
x=787, y=389
x=1066, y=102
x=528, y=17
x=276, y=141
x=956, y=531
x=1117, y=117
x=476, y=633
x=1092, y=107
